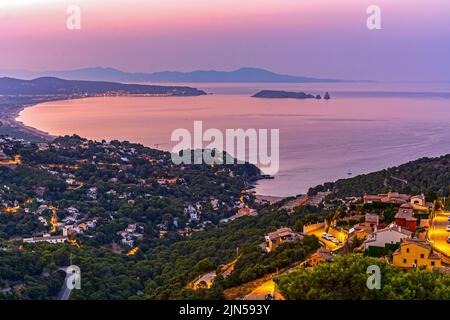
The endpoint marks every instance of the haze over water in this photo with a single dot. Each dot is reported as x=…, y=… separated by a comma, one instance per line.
x=363, y=128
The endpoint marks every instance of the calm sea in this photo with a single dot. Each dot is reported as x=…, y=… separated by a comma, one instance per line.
x=363, y=128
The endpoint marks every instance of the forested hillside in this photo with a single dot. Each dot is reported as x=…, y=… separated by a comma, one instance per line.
x=430, y=176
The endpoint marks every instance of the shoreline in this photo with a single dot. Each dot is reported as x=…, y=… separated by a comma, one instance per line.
x=28, y=129
x=10, y=120
x=9, y=117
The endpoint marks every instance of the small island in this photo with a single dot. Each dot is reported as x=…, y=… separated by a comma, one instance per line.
x=276, y=94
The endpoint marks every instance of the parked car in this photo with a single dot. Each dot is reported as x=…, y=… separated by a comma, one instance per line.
x=324, y=235
x=448, y=240
x=448, y=228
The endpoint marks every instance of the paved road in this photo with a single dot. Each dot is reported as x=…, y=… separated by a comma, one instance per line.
x=437, y=233
x=328, y=244
x=263, y=290
x=65, y=292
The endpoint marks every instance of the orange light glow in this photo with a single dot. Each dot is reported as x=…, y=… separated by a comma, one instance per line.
x=132, y=252
x=53, y=220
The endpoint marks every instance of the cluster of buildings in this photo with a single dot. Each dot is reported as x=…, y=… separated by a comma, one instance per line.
x=417, y=201
x=7, y=144
x=73, y=223
x=124, y=188
x=398, y=238
x=407, y=252
x=412, y=208
x=130, y=234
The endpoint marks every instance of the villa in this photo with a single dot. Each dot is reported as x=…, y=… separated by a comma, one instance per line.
x=415, y=253
x=280, y=236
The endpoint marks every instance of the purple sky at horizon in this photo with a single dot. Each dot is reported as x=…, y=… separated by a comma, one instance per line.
x=320, y=38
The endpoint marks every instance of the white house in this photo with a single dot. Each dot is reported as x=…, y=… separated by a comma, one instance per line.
x=390, y=235
x=46, y=238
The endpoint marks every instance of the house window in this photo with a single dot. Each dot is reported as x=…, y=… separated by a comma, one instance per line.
x=407, y=250
x=432, y=263
x=422, y=256
x=415, y=262
x=404, y=260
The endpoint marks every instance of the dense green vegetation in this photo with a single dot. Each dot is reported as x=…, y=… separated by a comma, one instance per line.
x=160, y=272
x=128, y=190
x=346, y=279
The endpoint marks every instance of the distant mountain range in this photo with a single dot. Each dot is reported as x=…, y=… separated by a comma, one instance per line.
x=53, y=86
x=111, y=74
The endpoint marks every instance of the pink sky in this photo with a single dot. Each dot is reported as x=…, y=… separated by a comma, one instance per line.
x=326, y=38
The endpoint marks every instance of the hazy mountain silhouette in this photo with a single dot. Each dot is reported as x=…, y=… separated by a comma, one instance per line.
x=111, y=74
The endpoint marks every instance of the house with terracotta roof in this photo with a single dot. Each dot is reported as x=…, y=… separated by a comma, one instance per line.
x=390, y=197
x=415, y=253
x=405, y=217
x=280, y=236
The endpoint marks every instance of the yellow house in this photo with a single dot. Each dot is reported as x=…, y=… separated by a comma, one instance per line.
x=415, y=253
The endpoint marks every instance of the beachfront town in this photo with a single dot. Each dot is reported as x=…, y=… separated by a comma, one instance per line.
x=126, y=198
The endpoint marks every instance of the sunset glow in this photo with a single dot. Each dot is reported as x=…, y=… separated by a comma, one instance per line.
x=201, y=34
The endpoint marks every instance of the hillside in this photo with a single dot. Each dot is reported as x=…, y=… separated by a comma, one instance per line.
x=425, y=175
x=111, y=197
x=51, y=85
x=110, y=74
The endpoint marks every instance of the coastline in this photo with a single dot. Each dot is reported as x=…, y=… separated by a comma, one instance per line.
x=13, y=107
x=9, y=119
x=10, y=124
x=28, y=129
x=260, y=187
